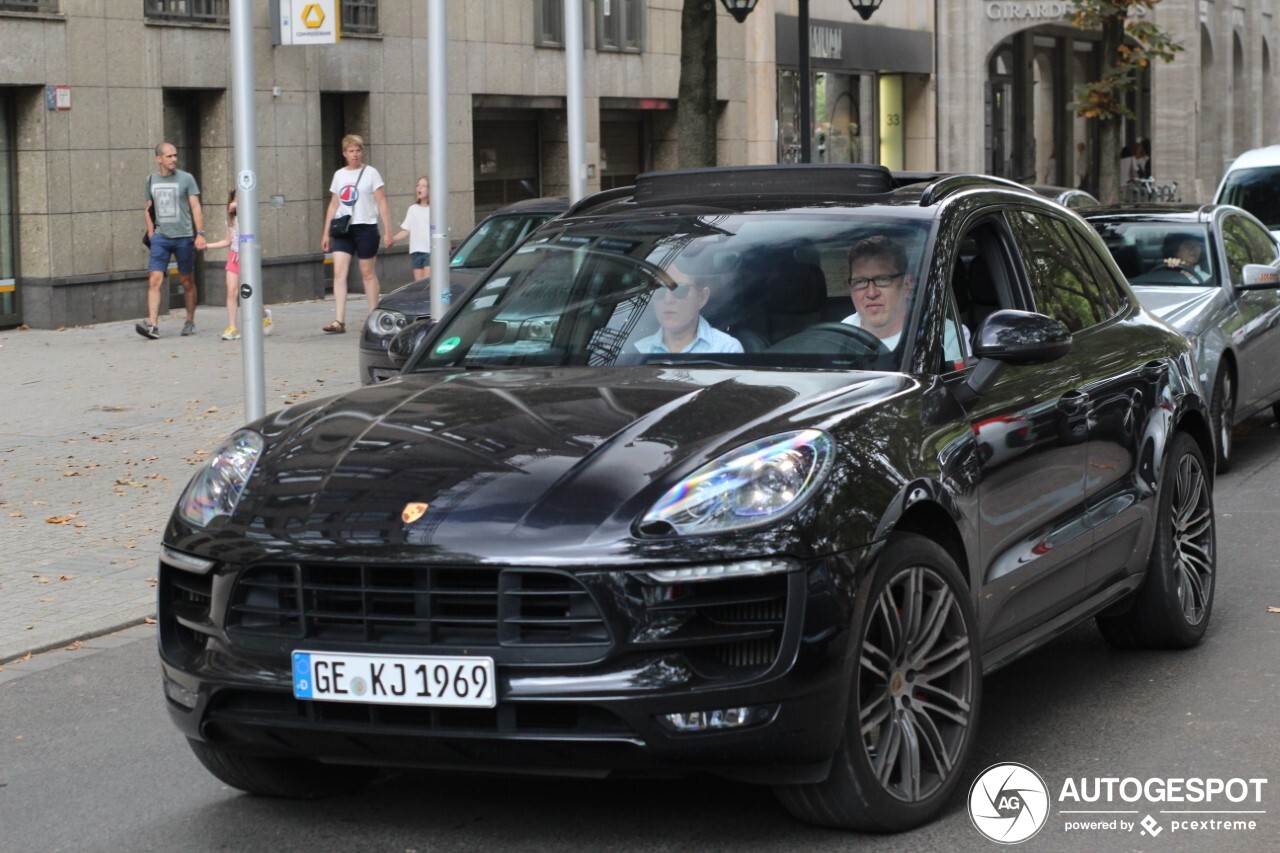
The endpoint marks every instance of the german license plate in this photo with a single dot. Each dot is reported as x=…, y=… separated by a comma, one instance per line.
x=451, y=682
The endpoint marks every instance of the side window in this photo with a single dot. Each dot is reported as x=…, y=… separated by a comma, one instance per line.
x=1063, y=284
x=620, y=25
x=1245, y=243
x=1113, y=295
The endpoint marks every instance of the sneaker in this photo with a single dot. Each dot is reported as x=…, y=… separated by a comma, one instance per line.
x=231, y=334
x=147, y=329
x=188, y=328
x=266, y=323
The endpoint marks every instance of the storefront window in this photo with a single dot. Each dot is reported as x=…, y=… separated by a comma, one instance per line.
x=844, y=117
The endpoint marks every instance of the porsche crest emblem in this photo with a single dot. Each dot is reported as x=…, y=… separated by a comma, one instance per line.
x=413, y=512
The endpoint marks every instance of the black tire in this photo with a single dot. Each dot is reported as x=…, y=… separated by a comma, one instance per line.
x=1222, y=410
x=1275, y=412
x=1171, y=609
x=917, y=688
x=294, y=778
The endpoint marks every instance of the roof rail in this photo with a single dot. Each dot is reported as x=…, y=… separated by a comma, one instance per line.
x=798, y=181
x=597, y=199
x=945, y=186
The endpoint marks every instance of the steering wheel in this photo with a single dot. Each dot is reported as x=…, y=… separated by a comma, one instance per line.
x=847, y=334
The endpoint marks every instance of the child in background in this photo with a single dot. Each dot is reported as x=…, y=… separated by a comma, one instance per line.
x=232, y=244
x=417, y=227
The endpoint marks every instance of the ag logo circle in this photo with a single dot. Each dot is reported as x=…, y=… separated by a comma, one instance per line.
x=1008, y=803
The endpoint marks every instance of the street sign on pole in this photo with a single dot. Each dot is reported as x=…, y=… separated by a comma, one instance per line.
x=245, y=121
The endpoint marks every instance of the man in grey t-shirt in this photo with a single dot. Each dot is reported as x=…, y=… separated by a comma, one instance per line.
x=173, y=200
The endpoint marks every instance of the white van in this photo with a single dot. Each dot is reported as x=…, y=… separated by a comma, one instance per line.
x=1253, y=182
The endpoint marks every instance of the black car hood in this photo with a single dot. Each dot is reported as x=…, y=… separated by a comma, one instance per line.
x=414, y=299
x=517, y=462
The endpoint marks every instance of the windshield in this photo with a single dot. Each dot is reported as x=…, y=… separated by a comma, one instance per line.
x=1174, y=254
x=1257, y=191
x=766, y=289
x=494, y=236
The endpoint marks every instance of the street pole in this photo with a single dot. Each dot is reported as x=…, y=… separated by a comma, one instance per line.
x=806, y=87
x=573, y=90
x=244, y=118
x=438, y=115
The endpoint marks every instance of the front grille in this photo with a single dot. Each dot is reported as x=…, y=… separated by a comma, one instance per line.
x=472, y=607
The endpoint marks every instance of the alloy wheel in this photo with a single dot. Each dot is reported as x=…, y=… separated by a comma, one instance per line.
x=1193, y=539
x=916, y=684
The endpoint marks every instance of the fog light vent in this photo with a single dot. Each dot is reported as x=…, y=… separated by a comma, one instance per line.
x=722, y=719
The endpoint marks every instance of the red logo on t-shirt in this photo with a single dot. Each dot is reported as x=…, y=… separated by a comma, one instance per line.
x=349, y=194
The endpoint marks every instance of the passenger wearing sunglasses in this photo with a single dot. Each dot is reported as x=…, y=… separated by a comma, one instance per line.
x=678, y=307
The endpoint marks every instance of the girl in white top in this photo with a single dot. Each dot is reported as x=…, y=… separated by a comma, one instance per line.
x=356, y=190
x=417, y=227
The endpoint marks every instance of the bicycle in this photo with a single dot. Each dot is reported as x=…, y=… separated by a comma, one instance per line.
x=1146, y=190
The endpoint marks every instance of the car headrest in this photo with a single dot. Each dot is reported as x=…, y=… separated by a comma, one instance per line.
x=1129, y=259
x=982, y=287
x=796, y=288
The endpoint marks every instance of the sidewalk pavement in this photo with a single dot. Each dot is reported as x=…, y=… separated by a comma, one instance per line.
x=100, y=430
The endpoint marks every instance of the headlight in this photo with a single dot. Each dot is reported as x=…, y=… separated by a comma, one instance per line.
x=385, y=323
x=753, y=485
x=217, y=488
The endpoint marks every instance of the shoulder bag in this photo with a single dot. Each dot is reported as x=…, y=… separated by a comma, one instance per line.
x=340, y=225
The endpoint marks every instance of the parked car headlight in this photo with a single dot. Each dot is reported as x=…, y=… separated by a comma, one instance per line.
x=217, y=488
x=385, y=323
x=752, y=485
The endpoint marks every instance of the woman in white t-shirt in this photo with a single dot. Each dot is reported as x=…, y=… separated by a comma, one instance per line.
x=357, y=191
x=417, y=227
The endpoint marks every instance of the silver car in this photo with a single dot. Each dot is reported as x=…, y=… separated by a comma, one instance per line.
x=1213, y=273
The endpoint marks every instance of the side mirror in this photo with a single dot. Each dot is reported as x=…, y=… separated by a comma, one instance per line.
x=407, y=340
x=1010, y=337
x=1260, y=277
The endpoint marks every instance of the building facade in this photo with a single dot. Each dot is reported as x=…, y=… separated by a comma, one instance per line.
x=88, y=87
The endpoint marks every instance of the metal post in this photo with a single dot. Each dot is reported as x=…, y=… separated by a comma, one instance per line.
x=573, y=90
x=438, y=114
x=806, y=87
x=244, y=118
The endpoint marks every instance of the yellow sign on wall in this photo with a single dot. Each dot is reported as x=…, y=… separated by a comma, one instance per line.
x=310, y=22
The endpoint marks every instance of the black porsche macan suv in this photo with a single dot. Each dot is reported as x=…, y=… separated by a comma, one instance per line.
x=753, y=471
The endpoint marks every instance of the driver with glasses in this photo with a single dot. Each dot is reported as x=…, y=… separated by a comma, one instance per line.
x=880, y=288
x=879, y=285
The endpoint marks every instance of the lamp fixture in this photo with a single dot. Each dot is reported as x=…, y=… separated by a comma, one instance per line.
x=864, y=7
x=741, y=8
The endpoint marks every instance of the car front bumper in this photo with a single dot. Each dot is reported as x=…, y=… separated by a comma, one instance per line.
x=566, y=711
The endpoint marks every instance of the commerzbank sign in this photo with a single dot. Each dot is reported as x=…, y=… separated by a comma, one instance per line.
x=1011, y=10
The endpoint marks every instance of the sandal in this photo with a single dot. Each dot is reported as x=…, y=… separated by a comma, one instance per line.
x=335, y=327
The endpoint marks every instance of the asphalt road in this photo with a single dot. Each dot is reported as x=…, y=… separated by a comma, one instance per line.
x=89, y=761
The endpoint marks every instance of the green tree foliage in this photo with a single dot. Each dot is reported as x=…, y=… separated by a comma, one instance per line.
x=1131, y=41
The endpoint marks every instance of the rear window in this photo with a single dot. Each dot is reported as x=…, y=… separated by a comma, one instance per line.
x=1257, y=191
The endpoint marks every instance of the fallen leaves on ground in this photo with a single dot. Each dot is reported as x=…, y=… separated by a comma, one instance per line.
x=61, y=519
x=149, y=621
x=1273, y=609
x=75, y=646
x=66, y=577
